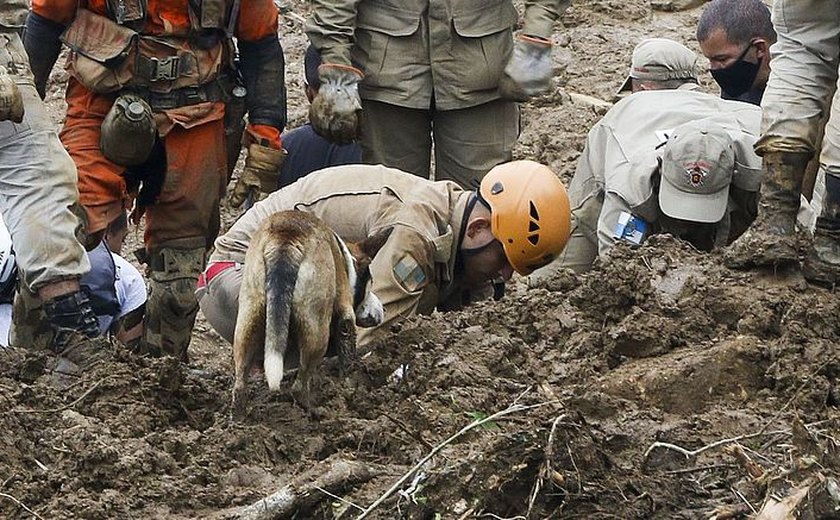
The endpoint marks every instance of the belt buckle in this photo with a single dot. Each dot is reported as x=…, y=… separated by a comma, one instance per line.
x=165, y=69
x=193, y=96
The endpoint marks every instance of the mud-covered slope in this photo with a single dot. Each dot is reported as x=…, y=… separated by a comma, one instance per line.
x=734, y=375
x=656, y=345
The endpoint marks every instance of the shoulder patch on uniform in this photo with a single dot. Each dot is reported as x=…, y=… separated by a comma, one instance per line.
x=410, y=274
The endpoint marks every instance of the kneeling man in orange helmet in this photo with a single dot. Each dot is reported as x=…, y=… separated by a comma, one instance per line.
x=446, y=242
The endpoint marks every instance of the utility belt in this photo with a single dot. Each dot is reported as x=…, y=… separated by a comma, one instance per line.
x=108, y=57
x=225, y=88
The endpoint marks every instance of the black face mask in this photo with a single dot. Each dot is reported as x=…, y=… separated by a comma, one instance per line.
x=737, y=78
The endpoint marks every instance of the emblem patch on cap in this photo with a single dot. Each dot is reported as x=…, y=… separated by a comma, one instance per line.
x=696, y=173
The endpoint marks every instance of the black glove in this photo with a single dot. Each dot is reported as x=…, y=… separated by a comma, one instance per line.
x=148, y=178
x=42, y=43
x=336, y=112
x=528, y=72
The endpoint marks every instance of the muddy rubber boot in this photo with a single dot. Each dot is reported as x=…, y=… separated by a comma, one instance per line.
x=76, y=337
x=30, y=327
x=172, y=306
x=822, y=264
x=771, y=240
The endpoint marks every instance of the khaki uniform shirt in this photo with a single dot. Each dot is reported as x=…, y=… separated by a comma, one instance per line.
x=415, y=271
x=415, y=51
x=618, y=168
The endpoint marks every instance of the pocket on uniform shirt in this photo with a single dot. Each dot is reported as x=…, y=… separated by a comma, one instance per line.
x=485, y=42
x=386, y=43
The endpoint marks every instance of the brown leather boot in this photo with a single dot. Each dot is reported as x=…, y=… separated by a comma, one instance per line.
x=771, y=240
x=822, y=264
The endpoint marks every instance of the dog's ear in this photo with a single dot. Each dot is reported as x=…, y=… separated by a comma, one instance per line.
x=372, y=244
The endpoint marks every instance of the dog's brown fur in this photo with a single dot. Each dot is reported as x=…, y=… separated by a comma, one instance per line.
x=296, y=294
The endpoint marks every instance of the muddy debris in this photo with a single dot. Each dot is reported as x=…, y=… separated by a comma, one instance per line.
x=631, y=399
x=659, y=386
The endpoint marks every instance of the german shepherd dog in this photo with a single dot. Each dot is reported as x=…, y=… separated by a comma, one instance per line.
x=304, y=289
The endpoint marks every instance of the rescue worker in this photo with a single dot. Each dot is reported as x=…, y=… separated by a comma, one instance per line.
x=410, y=73
x=446, y=242
x=151, y=84
x=736, y=35
x=114, y=287
x=804, y=73
x=306, y=150
x=37, y=177
x=667, y=158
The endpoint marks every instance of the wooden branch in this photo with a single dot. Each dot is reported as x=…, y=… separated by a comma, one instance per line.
x=693, y=453
x=68, y=405
x=305, y=491
x=22, y=505
x=514, y=408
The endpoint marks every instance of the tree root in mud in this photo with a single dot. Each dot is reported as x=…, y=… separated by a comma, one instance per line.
x=675, y=5
x=512, y=409
x=306, y=491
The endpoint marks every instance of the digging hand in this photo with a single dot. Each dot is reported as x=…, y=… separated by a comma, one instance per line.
x=336, y=111
x=528, y=72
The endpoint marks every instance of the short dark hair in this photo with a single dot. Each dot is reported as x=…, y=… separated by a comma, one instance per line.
x=311, y=62
x=666, y=84
x=741, y=20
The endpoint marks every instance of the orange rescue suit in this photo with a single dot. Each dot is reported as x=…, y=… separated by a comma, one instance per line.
x=193, y=135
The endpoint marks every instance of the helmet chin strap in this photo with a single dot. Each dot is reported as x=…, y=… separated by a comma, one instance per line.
x=498, y=285
x=471, y=251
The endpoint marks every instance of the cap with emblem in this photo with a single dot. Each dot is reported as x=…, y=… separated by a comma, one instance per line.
x=697, y=168
x=661, y=59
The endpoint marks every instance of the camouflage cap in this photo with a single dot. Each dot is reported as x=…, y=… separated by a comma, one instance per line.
x=697, y=168
x=661, y=59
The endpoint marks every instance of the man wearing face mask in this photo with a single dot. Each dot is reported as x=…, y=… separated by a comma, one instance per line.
x=667, y=158
x=800, y=91
x=735, y=35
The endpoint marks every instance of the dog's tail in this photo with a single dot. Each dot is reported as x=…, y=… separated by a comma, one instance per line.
x=281, y=277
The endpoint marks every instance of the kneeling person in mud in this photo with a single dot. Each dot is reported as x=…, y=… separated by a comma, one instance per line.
x=160, y=76
x=694, y=187
x=666, y=158
x=446, y=242
x=115, y=289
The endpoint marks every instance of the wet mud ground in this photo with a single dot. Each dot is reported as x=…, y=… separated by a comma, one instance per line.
x=661, y=385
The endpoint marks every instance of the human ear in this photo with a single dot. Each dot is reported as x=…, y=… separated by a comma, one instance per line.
x=761, y=48
x=476, y=226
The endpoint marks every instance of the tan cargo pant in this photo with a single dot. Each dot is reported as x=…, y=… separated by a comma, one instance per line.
x=219, y=301
x=37, y=184
x=804, y=72
x=467, y=142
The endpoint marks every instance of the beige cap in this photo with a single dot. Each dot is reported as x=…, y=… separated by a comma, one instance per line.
x=660, y=59
x=697, y=168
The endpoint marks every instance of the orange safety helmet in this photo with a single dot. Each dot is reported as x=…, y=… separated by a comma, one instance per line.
x=530, y=213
